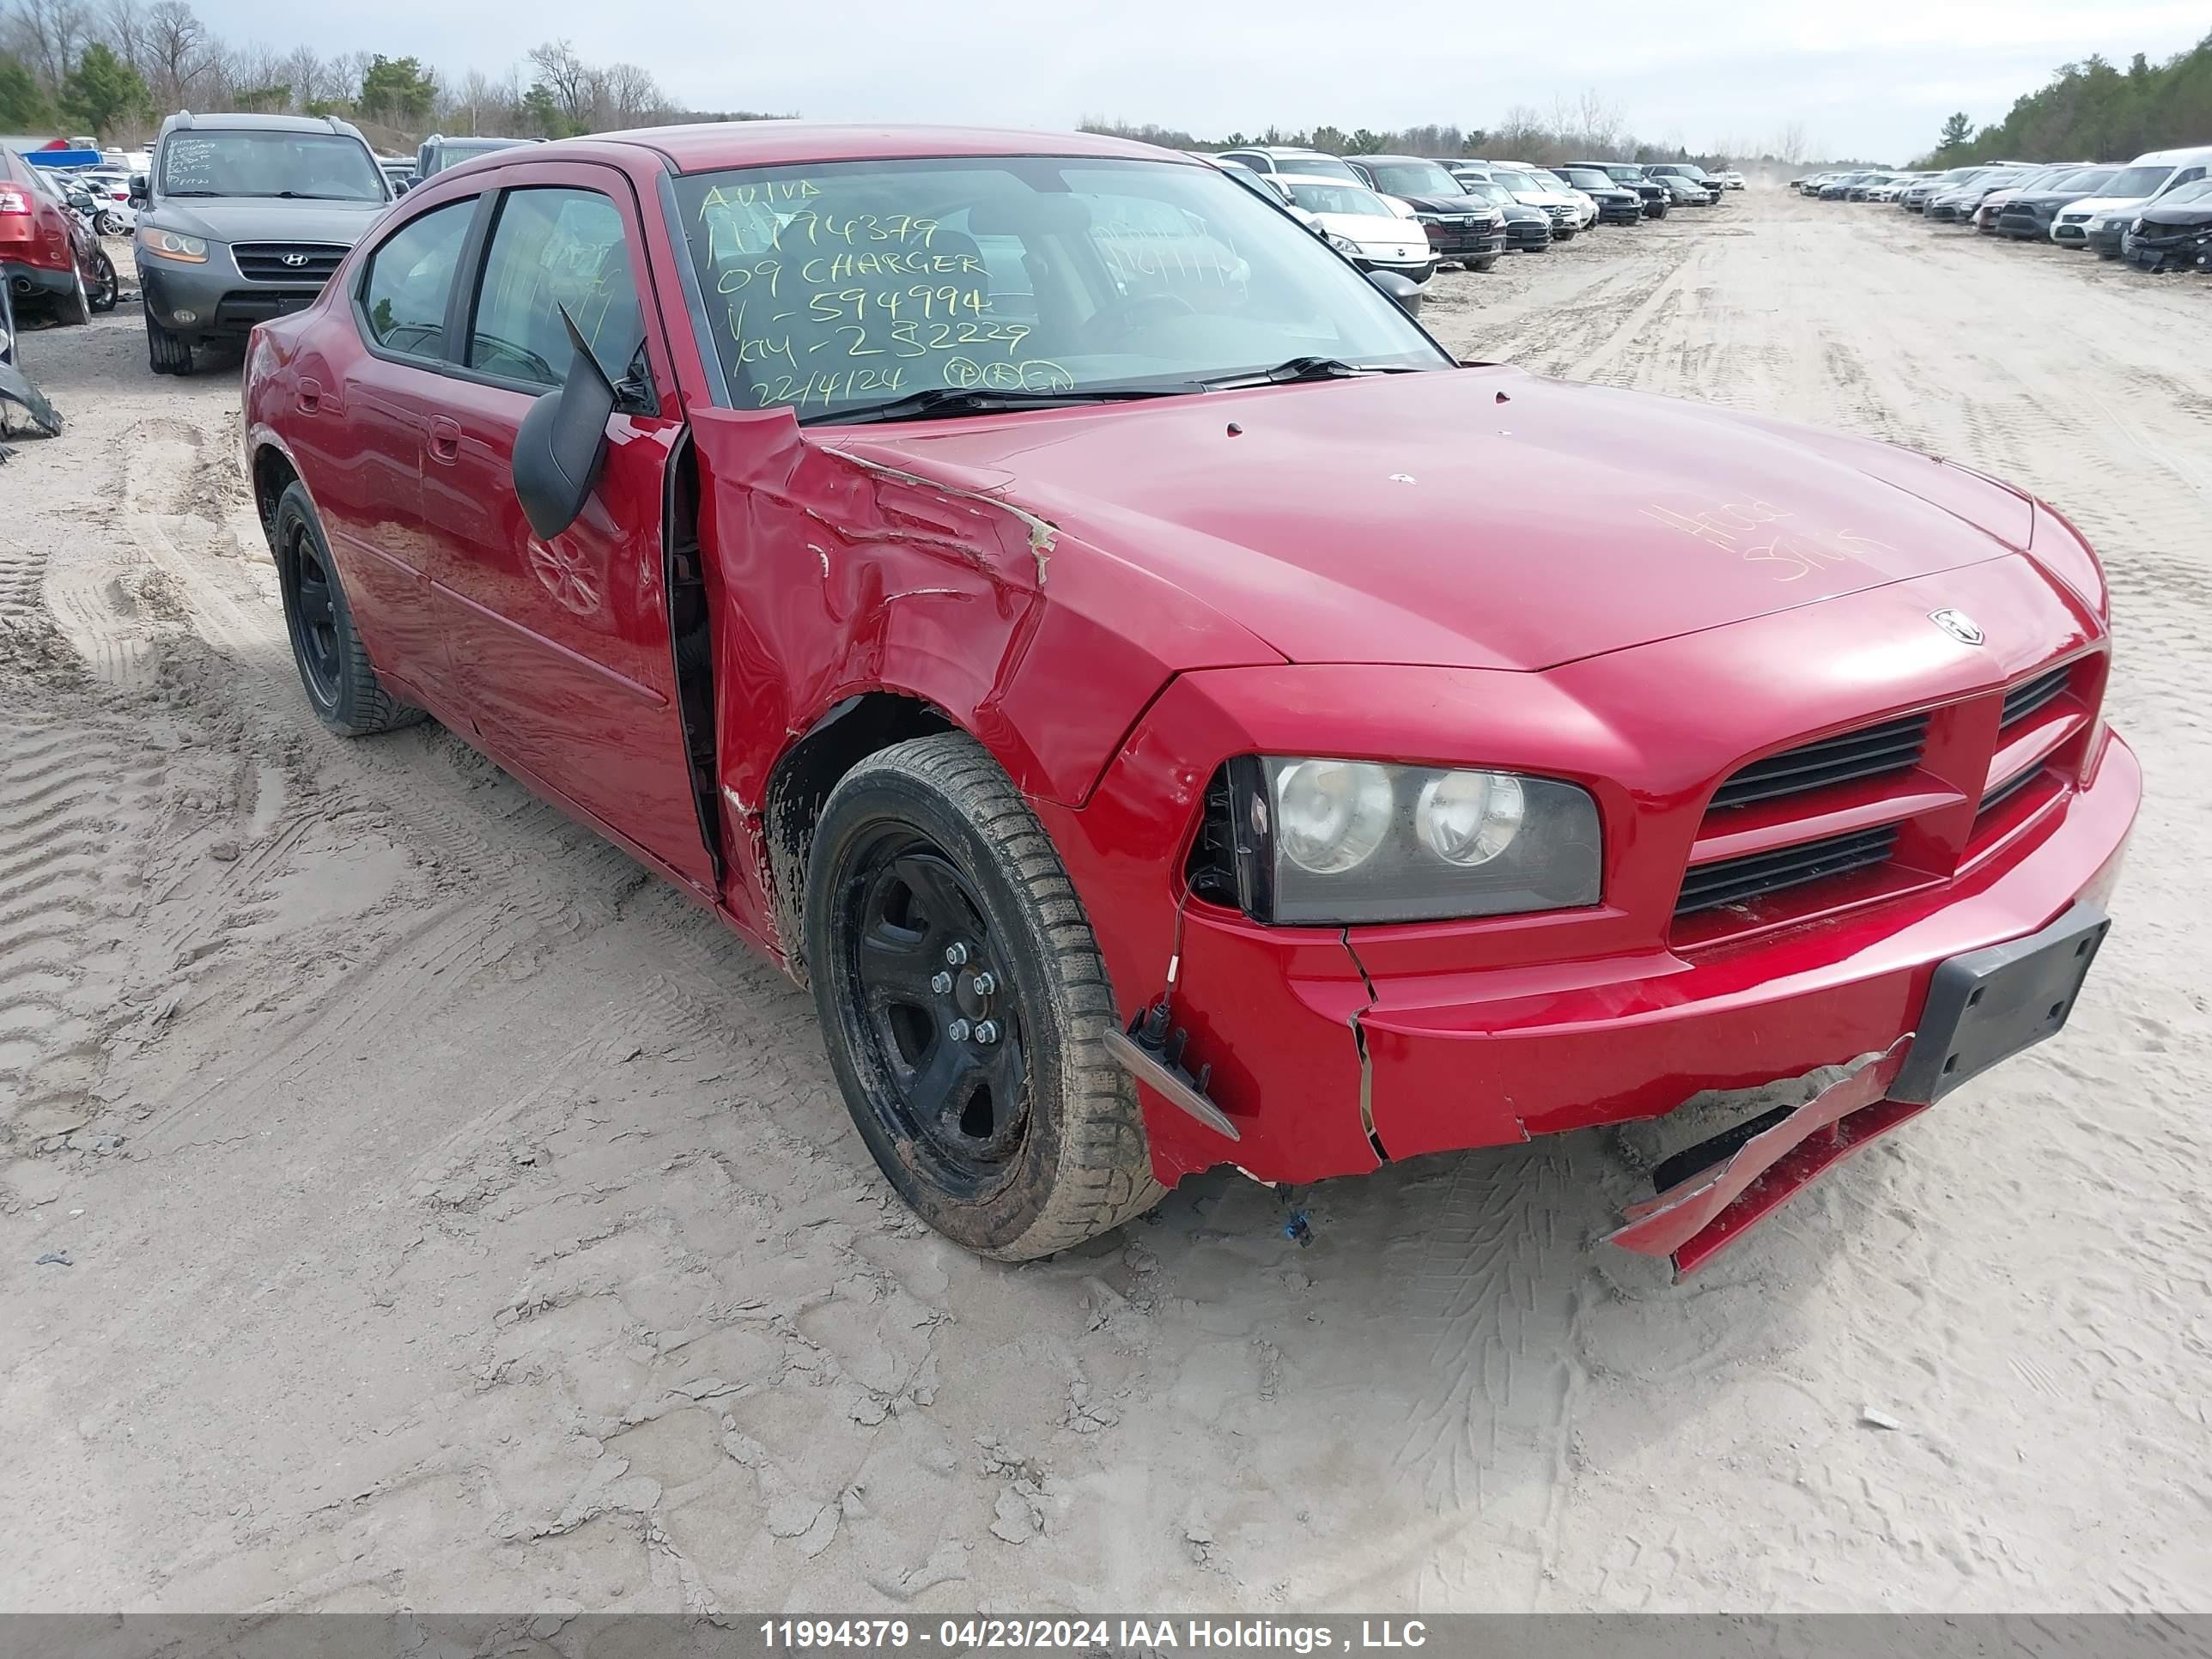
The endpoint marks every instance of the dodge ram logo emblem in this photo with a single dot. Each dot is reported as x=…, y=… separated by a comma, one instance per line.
x=1959, y=625
x=295, y=258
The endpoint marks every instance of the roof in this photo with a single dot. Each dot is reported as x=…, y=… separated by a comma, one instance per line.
x=708, y=146
x=229, y=123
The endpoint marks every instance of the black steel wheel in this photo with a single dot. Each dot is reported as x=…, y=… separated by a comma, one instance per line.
x=342, y=686
x=965, y=1005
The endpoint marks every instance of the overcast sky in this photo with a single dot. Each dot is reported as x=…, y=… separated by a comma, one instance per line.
x=1702, y=72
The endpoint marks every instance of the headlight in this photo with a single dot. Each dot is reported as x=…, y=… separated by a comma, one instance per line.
x=1319, y=841
x=170, y=246
x=1343, y=244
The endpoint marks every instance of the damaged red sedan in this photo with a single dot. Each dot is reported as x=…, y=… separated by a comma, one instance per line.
x=1168, y=711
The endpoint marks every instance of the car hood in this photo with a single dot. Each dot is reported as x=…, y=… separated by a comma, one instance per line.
x=1454, y=205
x=2187, y=214
x=2095, y=204
x=265, y=219
x=1371, y=230
x=1481, y=518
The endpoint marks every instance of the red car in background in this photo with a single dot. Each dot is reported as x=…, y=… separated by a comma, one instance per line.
x=48, y=255
x=1169, y=712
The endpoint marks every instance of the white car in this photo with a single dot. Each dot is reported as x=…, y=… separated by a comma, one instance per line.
x=1585, y=205
x=1730, y=179
x=1562, y=206
x=1375, y=231
x=2097, y=222
x=113, y=187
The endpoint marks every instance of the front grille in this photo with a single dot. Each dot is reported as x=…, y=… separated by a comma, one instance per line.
x=1738, y=881
x=287, y=262
x=2029, y=696
x=2011, y=786
x=1868, y=753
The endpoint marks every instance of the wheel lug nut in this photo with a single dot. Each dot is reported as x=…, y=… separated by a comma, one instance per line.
x=986, y=982
x=958, y=1030
x=987, y=1031
x=941, y=982
x=956, y=954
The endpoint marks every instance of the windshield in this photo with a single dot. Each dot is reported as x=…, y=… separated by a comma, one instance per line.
x=1521, y=183
x=2086, y=181
x=1354, y=199
x=325, y=167
x=2136, y=181
x=1413, y=178
x=1328, y=167
x=833, y=287
x=1489, y=191
x=2195, y=194
x=1587, y=179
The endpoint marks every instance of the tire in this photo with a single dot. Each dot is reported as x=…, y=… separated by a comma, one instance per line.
x=103, y=298
x=166, y=353
x=1484, y=264
x=1015, y=1147
x=342, y=686
x=75, y=307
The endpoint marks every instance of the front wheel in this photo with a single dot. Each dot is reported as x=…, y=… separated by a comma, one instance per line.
x=342, y=686
x=965, y=1005
x=1484, y=264
x=106, y=288
x=166, y=353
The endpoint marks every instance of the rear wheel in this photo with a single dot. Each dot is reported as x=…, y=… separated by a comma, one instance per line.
x=166, y=353
x=965, y=1005
x=341, y=684
x=106, y=289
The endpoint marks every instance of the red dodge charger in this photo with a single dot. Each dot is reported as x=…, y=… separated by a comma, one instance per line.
x=1168, y=711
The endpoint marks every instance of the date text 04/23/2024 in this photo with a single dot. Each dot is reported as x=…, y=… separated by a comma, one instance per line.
x=975, y=1635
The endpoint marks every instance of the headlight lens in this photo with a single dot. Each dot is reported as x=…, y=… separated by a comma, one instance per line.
x=1343, y=244
x=170, y=246
x=1330, y=816
x=1319, y=841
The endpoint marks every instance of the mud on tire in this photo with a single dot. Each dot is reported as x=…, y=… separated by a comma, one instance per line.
x=928, y=866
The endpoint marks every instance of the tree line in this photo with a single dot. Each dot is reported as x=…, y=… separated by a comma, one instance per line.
x=115, y=68
x=2095, y=111
x=1588, y=128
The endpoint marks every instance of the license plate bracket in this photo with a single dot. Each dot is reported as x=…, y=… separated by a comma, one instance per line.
x=1986, y=1005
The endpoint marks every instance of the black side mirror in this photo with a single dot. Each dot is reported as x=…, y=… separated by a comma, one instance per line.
x=561, y=441
x=1404, y=289
x=139, y=193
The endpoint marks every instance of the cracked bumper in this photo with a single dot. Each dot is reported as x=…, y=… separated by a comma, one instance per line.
x=1332, y=1050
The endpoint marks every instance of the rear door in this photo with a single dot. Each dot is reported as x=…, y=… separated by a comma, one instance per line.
x=364, y=425
x=562, y=648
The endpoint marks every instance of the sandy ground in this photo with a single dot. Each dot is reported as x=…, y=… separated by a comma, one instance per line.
x=457, y=1219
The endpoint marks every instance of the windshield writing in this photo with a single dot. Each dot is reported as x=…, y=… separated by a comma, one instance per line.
x=328, y=166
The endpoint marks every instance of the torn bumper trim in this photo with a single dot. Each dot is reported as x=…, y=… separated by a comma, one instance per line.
x=1698, y=1218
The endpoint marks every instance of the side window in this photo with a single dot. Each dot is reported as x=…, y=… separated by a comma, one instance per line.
x=555, y=249
x=408, y=279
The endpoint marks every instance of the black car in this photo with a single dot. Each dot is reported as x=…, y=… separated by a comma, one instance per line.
x=1649, y=191
x=2174, y=233
x=1615, y=206
x=1527, y=230
x=2028, y=216
x=1459, y=226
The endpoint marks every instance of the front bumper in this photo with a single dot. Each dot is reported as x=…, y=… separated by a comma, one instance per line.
x=1620, y=213
x=2187, y=250
x=2027, y=226
x=1420, y=269
x=1449, y=242
x=1335, y=1050
x=223, y=303
x=2106, y=242
x=1527, y=235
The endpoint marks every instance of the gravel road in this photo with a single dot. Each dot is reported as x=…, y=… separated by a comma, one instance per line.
x=455, y=1218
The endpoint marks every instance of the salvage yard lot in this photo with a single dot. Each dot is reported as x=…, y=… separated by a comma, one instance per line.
x=455, y=1218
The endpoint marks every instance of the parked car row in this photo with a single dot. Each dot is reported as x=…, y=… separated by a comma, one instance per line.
x=1467, y=212
x=2155, y=211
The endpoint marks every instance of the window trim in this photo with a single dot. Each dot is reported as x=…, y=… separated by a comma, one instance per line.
x=480, y=255
x=357, y=298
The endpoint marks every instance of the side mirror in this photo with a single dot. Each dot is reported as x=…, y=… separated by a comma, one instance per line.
x=139, y=193
x=561, y=441
x=401, y=186
x=1404, y=289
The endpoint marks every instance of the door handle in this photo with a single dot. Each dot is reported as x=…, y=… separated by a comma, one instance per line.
x=444, y=438
x=311, y=395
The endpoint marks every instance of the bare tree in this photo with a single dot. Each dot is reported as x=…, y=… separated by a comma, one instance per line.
x=1597, y=124
x=565, y=76
x=632, y=95
x=179, y=51
x=49, y=36
x=1790, y=143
